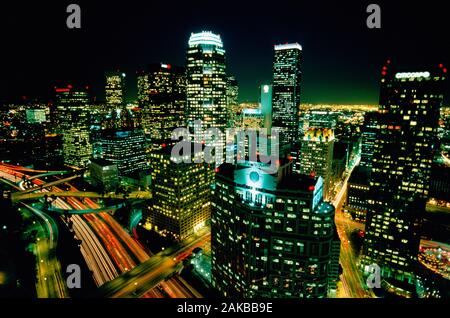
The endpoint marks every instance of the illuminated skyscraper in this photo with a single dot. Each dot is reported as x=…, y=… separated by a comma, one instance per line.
x=114, y=89
x=143, y=89
x=368, y=138
x=72, y=120
x=316, y=155
x=400, y=176
x=163, y=99
x=286, y=90
x=316, y=122
x=206, y=85
x=180, y=202
x=232, y=101
x=126, y=148
x=272, y=235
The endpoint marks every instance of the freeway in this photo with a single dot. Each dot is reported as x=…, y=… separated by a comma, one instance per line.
x=49, y=279
x=108, y=249
x=48, y=174
x=104, y=222
x=25, y=195
x=87, y=211
x=149, y=274
x=50, y=282
x=98, y=260
x=41, y=185
x=23, y=169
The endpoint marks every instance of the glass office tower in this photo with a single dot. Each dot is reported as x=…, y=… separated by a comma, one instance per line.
x=206, y=86
x=72, y=119
x=286, y=90
x=400, y=175
x=272, y=235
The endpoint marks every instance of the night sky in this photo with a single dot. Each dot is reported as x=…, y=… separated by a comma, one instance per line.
x=342, y=58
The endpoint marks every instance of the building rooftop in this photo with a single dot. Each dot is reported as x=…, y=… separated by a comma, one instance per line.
x=205, y=37
x=288, y=46
x=251, y=175
x=101, y=162
x=324, y=208
x=319, y=134
x=251, y=111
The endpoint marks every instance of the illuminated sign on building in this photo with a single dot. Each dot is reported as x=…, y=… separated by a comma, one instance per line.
x=412, y=75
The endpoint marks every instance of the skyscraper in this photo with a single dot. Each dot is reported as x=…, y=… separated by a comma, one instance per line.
x=164, y=104
x=272, y=235
x=400, y=176
x=181, y=195
x=126, y=148
x=316, y=122
x=286, y=90
x=206, y=85
x=266, y=105
x=232, y=101
x=142, y=89
x=114, y=89
x=72, y=119
x=368, y=138
x=316, y=155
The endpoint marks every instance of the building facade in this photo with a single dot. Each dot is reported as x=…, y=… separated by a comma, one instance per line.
x=316, y=155
x=125, y=148
x=286, y=90
x=400, y=174
x=104, y=174
x=206, y=90
x=272, y=235
x=358, y=187
x=162, y=98
x=72, y=120
x=180, y=205
x=114, y=90
x=368, y=138
x=232, y=101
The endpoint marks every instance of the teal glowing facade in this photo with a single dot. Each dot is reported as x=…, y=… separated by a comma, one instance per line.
x=266, y=105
